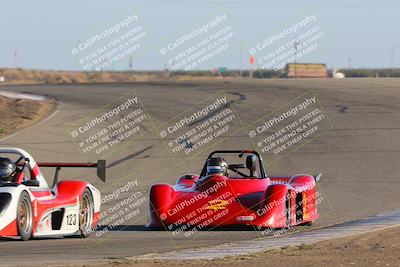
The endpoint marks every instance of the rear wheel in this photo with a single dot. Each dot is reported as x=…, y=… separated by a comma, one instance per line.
x=86, y=213
x=288, y=209
x=24, y=216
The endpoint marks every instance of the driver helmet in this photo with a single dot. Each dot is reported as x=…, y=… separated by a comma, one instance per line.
x=217, y=165
x=7, y=169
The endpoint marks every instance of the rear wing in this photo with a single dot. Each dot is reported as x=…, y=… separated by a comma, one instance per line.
x=100, y=165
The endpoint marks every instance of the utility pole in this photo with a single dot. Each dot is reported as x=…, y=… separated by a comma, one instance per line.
x=15, y=58
x=296, y=43
x=130, y=63
x=240, y=59
x=349, y=62
x=240, y=45
x=392, y=55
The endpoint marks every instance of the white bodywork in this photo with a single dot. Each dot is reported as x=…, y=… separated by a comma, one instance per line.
x=70, y=218
x=338, y=75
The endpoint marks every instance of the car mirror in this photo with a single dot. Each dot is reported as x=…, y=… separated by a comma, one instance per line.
x=251, y=163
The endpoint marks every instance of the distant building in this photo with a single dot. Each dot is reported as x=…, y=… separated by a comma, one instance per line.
x=306, y=70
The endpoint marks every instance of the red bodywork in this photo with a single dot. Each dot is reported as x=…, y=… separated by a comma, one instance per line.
x=68, y=194
x=44, y=201
x=218, y=200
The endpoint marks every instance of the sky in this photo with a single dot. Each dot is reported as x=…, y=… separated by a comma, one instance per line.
x=41, y=34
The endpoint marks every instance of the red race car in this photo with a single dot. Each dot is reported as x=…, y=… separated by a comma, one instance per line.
x=29, y=208
x=234, y=194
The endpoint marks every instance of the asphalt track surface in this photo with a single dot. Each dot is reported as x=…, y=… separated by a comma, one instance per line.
x=359, y=157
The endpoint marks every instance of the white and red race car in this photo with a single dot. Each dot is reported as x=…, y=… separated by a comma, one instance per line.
x=29, y=208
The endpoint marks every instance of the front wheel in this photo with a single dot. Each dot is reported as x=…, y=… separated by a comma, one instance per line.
x=86, y=213
x=24, y=216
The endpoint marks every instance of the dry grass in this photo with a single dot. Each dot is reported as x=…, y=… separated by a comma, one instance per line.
x=20, y=113
x=26, y=76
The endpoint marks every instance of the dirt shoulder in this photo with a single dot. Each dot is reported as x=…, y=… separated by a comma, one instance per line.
x=21, y=113
x=378, y=248
x=28, y=76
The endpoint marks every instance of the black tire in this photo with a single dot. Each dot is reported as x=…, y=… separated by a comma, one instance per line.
x=307, y=224
x=86, y=213
x=288, y=209
x=24, y=216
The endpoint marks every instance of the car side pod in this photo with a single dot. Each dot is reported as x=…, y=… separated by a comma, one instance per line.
x=273, y=212
x=306, y=196
x=160, y=197
x=302, y=182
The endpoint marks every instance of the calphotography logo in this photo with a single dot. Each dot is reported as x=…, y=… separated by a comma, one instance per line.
x=106, y=129
x=290, y=127
x=197, y=47
x=289, y=45
x=200, y=127
x=106, y=48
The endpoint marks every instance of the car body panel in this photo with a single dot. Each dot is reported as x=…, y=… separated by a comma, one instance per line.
x=223, y=200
